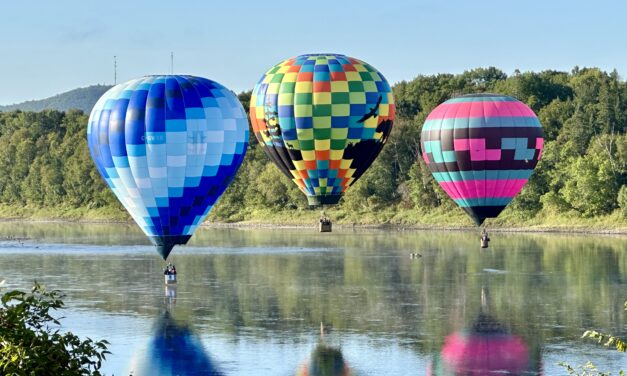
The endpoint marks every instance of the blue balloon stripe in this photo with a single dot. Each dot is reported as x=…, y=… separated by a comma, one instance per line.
x=483, y=201
x=481, y=122
x=455, y=176
x=475, y=98
x=155, y=109
x=174, y=108
x=136, y=118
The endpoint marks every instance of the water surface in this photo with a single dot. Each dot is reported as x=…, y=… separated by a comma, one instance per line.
x=251, y=301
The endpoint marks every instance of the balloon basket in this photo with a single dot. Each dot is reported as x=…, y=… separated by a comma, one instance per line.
x=170, y=279
x=325, y=227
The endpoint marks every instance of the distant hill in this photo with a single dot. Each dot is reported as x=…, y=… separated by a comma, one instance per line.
x=82, y=98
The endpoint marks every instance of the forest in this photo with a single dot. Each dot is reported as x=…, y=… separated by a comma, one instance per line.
x=46, y=170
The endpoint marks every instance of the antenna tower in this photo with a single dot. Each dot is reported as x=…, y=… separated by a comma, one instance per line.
x=115, y=69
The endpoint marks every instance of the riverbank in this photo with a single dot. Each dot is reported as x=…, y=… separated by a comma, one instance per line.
x=398, y=220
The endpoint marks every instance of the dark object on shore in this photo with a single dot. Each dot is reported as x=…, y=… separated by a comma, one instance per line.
x=325, y=224
x=415, y=255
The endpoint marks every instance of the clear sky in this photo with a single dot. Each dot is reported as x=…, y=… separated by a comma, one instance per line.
x=48, y=47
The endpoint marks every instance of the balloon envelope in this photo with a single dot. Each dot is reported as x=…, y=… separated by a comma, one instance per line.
x=482, y=149
x=322, y=119
x=168, y=146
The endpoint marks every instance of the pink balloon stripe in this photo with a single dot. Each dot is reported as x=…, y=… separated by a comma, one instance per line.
x=483, y=188
x=480, y=109
x=425, y=157
x=540, y=146
x=478, y=152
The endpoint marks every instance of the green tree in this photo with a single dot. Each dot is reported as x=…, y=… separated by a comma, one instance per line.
x=422, y=187
x=622, y=200
x=374, y=189
x=554, y=115
x=591, y=186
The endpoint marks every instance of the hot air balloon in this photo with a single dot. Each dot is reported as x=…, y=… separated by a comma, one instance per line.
x=482, y=149
x=322, y=119
x=168, y=146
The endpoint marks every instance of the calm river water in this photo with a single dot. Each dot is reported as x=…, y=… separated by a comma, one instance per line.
x=251, y=301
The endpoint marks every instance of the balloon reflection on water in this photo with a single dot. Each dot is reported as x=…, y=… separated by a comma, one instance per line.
x=486, y=348
x=174, y=348
x=325, y=361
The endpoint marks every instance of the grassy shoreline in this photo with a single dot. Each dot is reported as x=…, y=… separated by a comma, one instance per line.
x=402, y=219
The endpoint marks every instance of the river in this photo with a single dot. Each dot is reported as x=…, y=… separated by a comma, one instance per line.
x=297, y=302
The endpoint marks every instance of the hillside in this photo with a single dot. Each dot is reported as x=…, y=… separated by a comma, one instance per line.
x=82, y=98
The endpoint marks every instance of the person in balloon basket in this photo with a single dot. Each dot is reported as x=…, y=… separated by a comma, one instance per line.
x=485, y=239
x=170, y=269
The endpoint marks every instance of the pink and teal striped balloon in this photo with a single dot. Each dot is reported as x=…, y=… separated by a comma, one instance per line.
x=482, y=149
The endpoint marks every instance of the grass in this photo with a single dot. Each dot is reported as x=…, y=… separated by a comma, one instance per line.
x=104, y=214
x=435, y=218
x=442, y=217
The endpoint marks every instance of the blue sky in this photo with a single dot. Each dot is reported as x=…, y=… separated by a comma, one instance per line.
x=49, y=47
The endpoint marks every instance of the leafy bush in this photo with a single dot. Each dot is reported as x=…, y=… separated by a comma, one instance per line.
x=32, y=344
x=609, y=341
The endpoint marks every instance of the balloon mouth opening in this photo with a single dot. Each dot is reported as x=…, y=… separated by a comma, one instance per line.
x=165, y=243
x=478, y=221
x=315, y=201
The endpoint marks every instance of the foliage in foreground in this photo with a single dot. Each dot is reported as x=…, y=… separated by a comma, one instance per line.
x=608, y=340
x=588, y=369
x=31, y=343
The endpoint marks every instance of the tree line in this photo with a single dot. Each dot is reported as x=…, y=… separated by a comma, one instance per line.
x=45, y=162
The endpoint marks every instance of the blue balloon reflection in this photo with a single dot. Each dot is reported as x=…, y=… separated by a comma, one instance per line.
x=173, y=350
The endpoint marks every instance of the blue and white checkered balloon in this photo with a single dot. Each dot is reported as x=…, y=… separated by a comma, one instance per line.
x=168, y=146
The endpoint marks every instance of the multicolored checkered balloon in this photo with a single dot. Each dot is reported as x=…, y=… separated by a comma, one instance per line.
x=168, y=146
x=482, y=149
x=322, y=119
